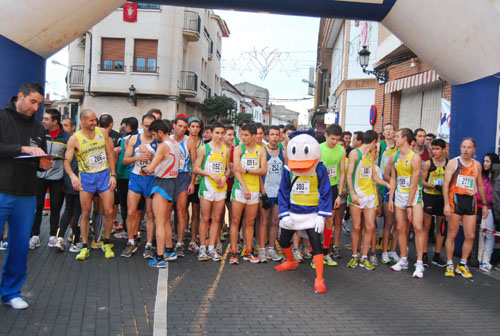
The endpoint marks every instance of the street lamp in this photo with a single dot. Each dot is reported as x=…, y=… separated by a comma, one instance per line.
x=131, y=94
x=58, y=63
x=364, y=58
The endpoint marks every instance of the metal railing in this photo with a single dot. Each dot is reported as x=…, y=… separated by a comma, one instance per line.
x=145, y=68
x=218, y=54
x=76, y=75
x=192, y=21
x=100, y=67
x=188, y=81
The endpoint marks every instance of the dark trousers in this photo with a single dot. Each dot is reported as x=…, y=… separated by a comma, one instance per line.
x=314, y=238
x=56, y=200
x=73, y=209
x=122, y=186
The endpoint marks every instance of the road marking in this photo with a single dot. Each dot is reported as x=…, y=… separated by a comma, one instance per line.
x=160, y=319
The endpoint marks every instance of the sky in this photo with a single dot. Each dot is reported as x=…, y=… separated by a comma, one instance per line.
x=271, y=51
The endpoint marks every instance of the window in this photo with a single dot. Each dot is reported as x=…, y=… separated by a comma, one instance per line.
x=324, y=88
x=144, y=5
x=145, y=55
x=112, y=52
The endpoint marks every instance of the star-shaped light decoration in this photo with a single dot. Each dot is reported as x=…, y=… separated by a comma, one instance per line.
x=288, y=64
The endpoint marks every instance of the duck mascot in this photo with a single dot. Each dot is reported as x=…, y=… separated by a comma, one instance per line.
x=304, y=200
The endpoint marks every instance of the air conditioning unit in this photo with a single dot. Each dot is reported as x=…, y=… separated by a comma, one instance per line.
x=82, y=41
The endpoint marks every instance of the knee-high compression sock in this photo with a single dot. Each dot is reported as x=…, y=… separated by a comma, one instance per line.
x=288, y=253
x=327, y=240
x=318, y=262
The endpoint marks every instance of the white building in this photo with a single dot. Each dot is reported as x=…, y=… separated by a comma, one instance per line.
x=171, y=56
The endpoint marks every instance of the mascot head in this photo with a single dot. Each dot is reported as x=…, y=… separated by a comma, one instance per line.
x=303, y=153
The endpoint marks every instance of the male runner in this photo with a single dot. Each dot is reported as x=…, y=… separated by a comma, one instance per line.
x=195, y=129
x=140, y=185
x=212, y=164
x=462, y=180
x=420, y=147
x=249, y=164
x=407, y=200
x=96, y=166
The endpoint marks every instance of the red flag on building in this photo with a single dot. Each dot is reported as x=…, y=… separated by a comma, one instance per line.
x=130, y=11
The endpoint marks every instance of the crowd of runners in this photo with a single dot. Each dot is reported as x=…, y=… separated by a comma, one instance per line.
x=193, y=185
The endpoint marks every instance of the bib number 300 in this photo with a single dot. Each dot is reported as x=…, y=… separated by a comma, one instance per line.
x=301, y=188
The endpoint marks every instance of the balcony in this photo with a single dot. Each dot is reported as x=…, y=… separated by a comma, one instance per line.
x=148, y=69
x=76, y=82
x=192, y=24
x=188, y=84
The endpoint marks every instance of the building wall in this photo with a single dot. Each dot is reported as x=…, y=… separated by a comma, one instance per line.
x=357, y=107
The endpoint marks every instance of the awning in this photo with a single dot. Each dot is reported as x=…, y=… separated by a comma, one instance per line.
x=411, y=81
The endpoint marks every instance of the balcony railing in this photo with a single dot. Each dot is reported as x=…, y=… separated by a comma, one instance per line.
x=116, y=68
x=76, y=75
x=188, y=81
x=146, y=69
x=218, y=54
x=192, y=25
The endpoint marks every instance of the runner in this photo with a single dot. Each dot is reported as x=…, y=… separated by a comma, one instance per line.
x=164, y=166
x=249, y=164
x=96, y=165
x=432, y=179
x=185, y=179
x=139, y=186
x=407, y=200
x=462, y=179
x=420, y=147
x=195, y=127
x=212, y=164
x=361, y=173
x=333, y=157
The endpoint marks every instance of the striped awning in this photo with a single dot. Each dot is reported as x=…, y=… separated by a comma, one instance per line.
x=411, y=81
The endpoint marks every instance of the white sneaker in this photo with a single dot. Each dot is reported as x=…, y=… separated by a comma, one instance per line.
x=59, y=244
x=385, y=258
x=121, y=235
x=34, y=242
x=273, y=255
x=484, y=267
x=400, y=265
x=4, y=245
x=52, y=241
x=218, y=248
x=374, y=259
x=17, y=303
x=419, y=271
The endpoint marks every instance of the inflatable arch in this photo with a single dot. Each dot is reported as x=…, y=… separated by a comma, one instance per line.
x=458, y=38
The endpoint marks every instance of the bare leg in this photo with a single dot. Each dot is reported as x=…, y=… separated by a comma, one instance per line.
x=235, y=223
x=86, y=203
x=250, y=215
x=356, y=228
x=401, y=224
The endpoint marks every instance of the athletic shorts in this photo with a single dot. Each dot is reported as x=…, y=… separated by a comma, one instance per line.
x=165, y=187
x=212, y=195
x=401, y=199
x=433, y=204
x=365, y=202
x=195, y=197
x=95, y=183
x=238, y=196
x=335, y=193
x=273, y=201
x=141, y=184
x=463, y=205
x=386, y=195
x=183, y=182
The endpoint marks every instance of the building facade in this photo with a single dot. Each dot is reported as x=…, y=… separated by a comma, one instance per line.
x=169, y=59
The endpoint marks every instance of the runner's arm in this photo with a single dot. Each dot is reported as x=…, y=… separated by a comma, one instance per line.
x=128, y=157
x=480, y=184
x=68, y=156
x=377, y=178
x=392, y=175
x=416, y=166
x=110, y=153
x=197, y=163
x=325, y=192
x=237, y=168
x=448, y=173
x=162, y=151
x=425, y=174
x=192, y=152
x=342, y=174
x=262, y=170
x=353, y=157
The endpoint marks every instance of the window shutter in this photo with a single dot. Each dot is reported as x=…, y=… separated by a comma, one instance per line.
x=113, y=49
x=146, y=48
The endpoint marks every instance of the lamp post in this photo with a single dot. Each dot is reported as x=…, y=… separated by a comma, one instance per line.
x=364, y=58
x=131, y=94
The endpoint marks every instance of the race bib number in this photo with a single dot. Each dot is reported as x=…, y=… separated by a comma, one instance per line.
x=301, y=188
x=274, y=169
x=366, y=172
x=143, y=164
x=215, y=167
x=438, y=181
x=97, y=159
x=332, y=172
x=465, y=182
x=250, y=163
x=404, y=182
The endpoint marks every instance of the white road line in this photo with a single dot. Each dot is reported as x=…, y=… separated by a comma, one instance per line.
x=160, y=319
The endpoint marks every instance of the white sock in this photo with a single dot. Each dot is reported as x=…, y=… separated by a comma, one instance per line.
x=210, y=248
x=131, y=241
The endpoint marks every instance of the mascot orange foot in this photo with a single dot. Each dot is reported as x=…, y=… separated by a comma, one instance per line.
x=290, y=264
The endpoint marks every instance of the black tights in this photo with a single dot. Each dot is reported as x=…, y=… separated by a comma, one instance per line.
x=314, y=239
x=73, y=210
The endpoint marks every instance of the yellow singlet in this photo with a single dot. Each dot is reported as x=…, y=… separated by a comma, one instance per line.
x=91, y=155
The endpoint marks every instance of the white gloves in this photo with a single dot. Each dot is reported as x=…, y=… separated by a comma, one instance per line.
x=319, y=224
x=286, y=223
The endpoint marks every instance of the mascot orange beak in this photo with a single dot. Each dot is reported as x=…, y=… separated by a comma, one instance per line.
x=301, y=166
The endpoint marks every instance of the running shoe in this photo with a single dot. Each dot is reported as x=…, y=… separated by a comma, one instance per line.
x=52, y=241
x=243, y=249
x=96, y=245
x=202, y=254
x=108, y=252
x=400, y=265
x=348, y=246
x=464, y=271
x=419, y=271
x=485, y=268
x=319, y=286
x=17, y=303
x=353, y=262
x=449, y=271
x=129, y=250
x=179, y=250
x=394, y=258
x=273, y=255
x=233, y=260
x=366, y=264
x=306, y=252
x=121, y=235
x=335, y=252
x=262, y=256
x=148, y=252
x=193, y=247
x=374, y=259
x=347, y=225
x=380, y=241
x=60, y=244
x=297, y=255
x=34, y=242
x=84, y=254
x=313, y=264
x=438, y=261
x=218, y=248
x=425, y=260
x=170, y=256
x=214, y=255
x=327, y=260
x=157, y=263
x=75, y=248
x=250, y=257
x=385, y=258
x=4, y=245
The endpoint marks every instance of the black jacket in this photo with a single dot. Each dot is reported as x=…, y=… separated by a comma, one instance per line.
x=18, y=176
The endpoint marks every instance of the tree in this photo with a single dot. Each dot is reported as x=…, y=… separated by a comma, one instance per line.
x=218, y=107
x=241, y=116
